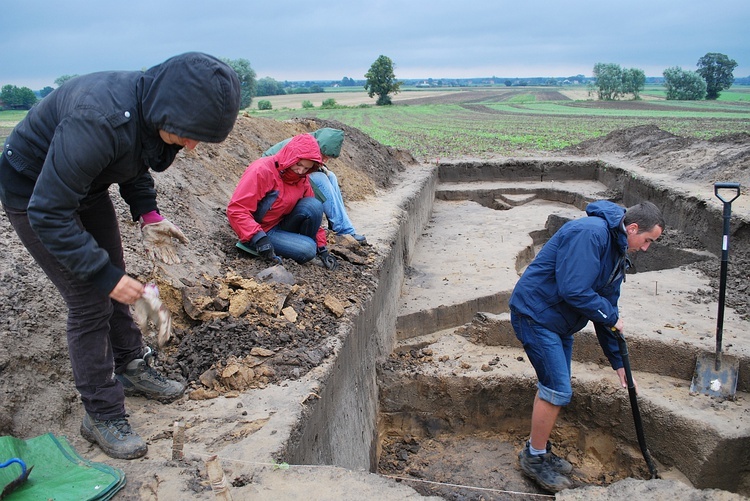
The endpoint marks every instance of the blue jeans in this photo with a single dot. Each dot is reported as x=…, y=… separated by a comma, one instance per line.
x=550, y=354
x=333, y=205
x=102, y=337
x=295, y=236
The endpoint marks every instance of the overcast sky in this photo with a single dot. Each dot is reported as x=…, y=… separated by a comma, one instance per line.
x=41, y=40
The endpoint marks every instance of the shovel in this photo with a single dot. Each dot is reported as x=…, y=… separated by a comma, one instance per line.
x=634, y=403
x=716, y=375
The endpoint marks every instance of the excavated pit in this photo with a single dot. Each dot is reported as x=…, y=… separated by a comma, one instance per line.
x=455, y=395
x=422, y=378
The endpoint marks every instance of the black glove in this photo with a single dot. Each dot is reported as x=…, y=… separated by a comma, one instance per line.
x=264, y=247
x=329, y=261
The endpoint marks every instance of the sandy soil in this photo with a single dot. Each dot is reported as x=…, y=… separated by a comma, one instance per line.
x=221, y=318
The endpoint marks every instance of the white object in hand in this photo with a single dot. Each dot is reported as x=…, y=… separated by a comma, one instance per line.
x=149, y=308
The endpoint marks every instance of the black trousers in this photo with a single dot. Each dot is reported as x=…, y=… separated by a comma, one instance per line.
x=102, y=337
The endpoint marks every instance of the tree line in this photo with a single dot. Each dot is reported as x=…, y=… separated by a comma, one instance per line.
x=714, y=74
x=380, y=80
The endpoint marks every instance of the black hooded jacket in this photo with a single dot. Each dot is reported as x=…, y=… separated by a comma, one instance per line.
x=101, y=129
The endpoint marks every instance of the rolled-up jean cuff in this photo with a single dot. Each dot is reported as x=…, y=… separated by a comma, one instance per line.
x=552, y=396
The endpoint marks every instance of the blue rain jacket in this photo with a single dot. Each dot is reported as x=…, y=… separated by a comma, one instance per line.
x=576, y=277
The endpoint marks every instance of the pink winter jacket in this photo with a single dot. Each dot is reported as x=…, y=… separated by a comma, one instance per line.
x=263, y=195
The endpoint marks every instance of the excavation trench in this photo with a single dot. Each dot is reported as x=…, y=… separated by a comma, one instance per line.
x=456, y=394
x=451, y=402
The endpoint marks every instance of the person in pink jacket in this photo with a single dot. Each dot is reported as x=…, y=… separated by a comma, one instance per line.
x=273, y=209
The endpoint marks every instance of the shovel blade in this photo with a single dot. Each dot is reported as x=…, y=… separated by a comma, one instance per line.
x=715, y=375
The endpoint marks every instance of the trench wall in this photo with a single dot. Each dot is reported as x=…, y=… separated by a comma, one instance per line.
x=340, y=427
x=681, y=210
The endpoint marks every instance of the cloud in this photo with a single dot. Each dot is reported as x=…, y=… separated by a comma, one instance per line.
x=296, y=40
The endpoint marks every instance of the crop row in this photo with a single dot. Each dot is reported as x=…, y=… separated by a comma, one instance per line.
x=512, y=128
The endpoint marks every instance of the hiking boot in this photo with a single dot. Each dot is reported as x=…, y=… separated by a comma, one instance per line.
x=559, y=464
x=360, y=238
x=349, y=239
x=540, y=469
x=139, y=378
x=114, y=437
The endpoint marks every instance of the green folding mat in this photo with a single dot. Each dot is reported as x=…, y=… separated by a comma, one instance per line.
x=59, y=473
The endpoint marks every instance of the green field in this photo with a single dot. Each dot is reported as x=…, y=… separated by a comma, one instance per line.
x=485, y=122
x=8, y=120
x=526, y=121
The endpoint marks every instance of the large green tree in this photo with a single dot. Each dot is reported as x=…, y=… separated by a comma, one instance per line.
x=17, y=98
x=608, y=80
x=684, y=85
x=612, y=81
x=633, y=82
x=246, y=75
x=382, y=81
x=716, y=69
x=267, y=86
x=63, y=78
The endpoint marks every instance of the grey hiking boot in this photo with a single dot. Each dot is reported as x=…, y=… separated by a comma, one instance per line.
x=540, y=469
x=559, y=464
x=114, y=437
x=139, y=378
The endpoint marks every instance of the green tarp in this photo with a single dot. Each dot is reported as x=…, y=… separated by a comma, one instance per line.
x=59, y=473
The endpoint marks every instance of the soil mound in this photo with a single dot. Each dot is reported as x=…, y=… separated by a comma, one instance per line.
x=720, y=159
x=223, y=341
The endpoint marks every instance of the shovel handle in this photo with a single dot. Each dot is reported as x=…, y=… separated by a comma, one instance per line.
x=623, y=345
x=727, y=186
x=718, y=187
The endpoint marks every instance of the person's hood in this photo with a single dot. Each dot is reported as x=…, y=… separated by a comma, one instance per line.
x=300, y=147
x=329, y=140
x=609, y=211
x=613, y=214
x=193, y=95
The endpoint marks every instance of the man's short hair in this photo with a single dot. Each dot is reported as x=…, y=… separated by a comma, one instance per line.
x=646, y=215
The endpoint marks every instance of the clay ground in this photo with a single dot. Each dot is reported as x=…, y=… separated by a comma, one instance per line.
x=218, y=323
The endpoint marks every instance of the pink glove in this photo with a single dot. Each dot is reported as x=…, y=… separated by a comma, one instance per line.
x=157, y=233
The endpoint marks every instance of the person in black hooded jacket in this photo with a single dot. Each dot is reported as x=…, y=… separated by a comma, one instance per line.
x=55, y=172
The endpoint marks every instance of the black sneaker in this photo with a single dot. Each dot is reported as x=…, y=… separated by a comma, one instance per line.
x=540, y=469
x=114, y=437
x=139, y=378
x=559, y=464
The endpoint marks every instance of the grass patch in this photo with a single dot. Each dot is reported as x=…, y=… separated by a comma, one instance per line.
x=510, y=122
x=522, y=126
x=735, y=95
x=9, y=118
